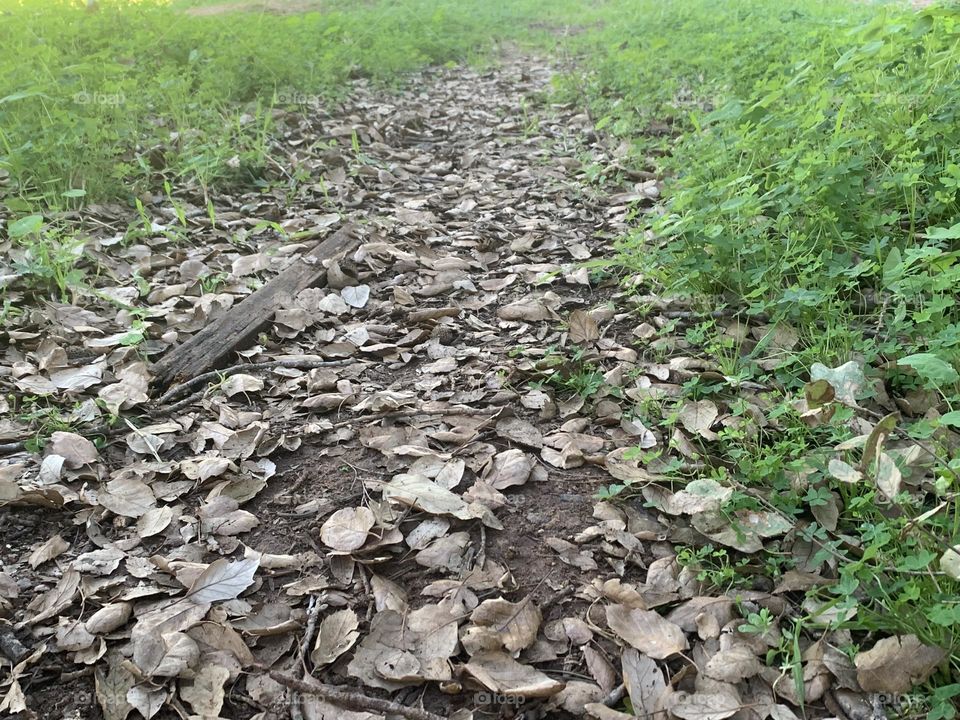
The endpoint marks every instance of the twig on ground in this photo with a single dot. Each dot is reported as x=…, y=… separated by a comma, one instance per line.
x=396, y=414
x=615, y=695
x=352, y=700
x=313, y=612
x=180, y=405
x=301, y=363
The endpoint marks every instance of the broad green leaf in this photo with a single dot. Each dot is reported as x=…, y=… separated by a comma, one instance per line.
x=932, y=369
x=25, y=226
x=951, y=419
x=939, y=233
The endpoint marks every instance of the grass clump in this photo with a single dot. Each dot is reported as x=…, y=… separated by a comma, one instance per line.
x=94, y=105
x=810, y=151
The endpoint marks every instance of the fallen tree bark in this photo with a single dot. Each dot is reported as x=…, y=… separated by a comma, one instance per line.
x=241, y=323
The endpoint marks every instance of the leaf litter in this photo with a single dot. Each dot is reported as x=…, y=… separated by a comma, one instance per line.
x=393, y=492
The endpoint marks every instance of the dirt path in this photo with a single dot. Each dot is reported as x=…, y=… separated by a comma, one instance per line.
x=469, y=195
x=416, y=518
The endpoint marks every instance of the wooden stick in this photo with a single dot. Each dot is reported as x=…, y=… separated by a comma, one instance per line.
x=352, y=700
x=241, y=323
x=290, y=362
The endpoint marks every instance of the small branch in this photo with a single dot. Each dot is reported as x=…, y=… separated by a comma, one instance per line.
x=179, y=405
x=313, y=612
x=299, y=363
x=352, y=700
x=12, y=447
x=397, y=414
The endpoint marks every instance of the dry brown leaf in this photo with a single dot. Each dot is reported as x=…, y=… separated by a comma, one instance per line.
x=644, y=681
x=52, y=548
x=75, y=449
x=154, y=521
x=500, y=673
x=54, y=601
x=571, y=554
x=388, y=595
x=895, y=664
x=241, y=383
x=446, y=552
x=698, y=417
x=222, y=516
x=509, y=468
x=110, y=617
x=647, y=631
x=583, y=328
x=705, y=705
x=519, y=431
x=347, y=529
x=733, y=664
x=205, y=693
x=146, y=701
x=111, y=688
x=337, y=634
x=516, y=624
x=577, y=695
x=167, y=655
x=394, y=654
x=128, y=497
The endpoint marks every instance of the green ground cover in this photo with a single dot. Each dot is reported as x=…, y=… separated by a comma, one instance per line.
x=811, y=152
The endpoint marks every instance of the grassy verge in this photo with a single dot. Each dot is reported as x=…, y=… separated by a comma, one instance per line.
x=811, y=151
x=94, y=105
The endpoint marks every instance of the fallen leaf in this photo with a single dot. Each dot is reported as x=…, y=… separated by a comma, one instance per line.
x=509, y=468
x=337, y=634
x=847, y=380
x=75, y=449
x=519, y=431
x=52, y=548
x=516, y=624
x=698, y=417
x=111, y=688
x=646, y=631
x=500, y=673
x=356, y=296
x=644, y=681
x=895, y=664
x=347, y=529
x=205, y=693
x=583, y=328
x=241, y=383
x=128, y=497
x=223, y=580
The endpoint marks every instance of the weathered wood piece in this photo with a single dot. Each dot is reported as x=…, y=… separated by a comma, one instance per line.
x=241, y=323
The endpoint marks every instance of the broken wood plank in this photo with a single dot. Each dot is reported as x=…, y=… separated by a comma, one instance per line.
x=241, y=323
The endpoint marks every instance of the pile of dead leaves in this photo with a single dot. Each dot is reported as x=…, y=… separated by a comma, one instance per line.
x=392, y=493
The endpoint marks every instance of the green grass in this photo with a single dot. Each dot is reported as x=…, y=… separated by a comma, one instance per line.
x=812, y=157
x=96, y=105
